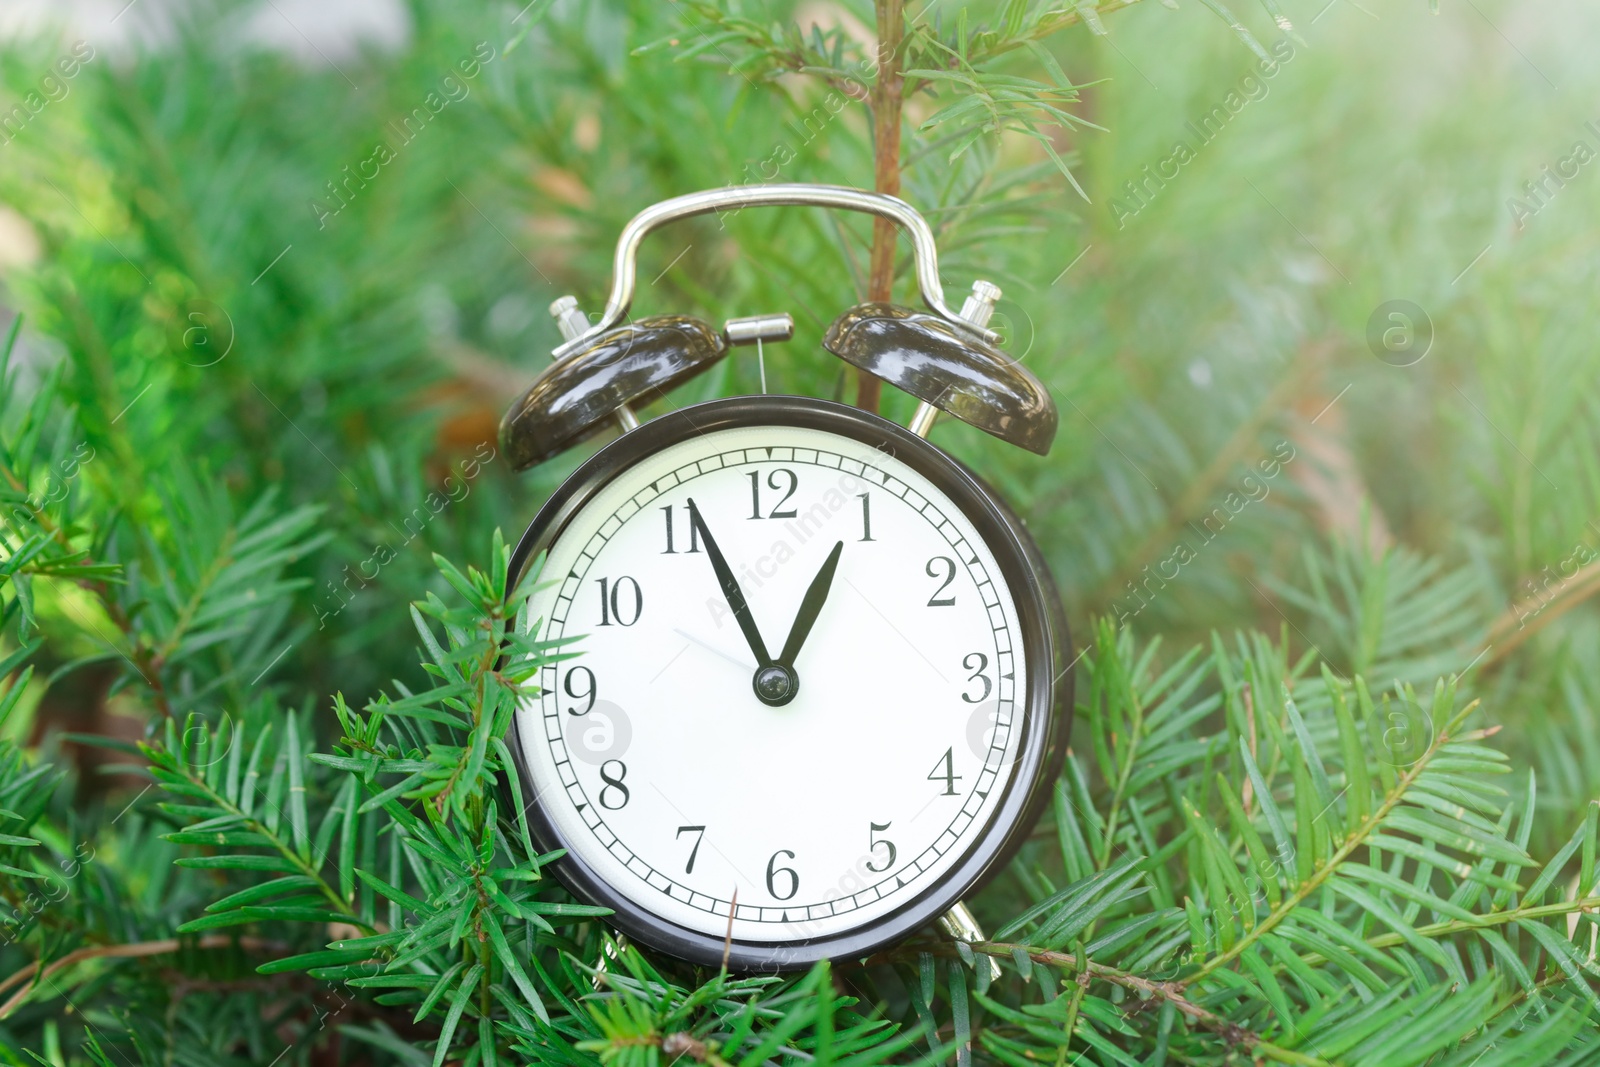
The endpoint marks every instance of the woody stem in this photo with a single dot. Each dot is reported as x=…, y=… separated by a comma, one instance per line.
x=888, y=99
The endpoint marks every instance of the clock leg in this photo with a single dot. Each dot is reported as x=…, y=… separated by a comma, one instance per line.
x=959, y=924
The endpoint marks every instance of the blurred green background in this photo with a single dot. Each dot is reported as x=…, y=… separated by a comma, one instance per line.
x=169, y=232
x=1321, y=333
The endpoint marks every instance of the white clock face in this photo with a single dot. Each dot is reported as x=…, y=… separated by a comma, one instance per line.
x=890, y=727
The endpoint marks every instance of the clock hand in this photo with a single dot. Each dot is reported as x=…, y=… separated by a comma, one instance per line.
x=731, y=590
x=692, y=639
x=810, y=607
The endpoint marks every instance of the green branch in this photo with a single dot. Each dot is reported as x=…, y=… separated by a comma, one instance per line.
x=1170, y=992
x=1350, y=844
x=304, y=866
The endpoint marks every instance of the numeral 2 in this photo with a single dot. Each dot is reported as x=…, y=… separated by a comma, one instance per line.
x=612, y=602
x=949, y=568
x=777, y=511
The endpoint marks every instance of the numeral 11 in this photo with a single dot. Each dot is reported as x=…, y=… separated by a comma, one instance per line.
x=694, y=534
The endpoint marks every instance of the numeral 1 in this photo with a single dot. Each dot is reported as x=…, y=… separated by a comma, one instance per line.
x=866, y=516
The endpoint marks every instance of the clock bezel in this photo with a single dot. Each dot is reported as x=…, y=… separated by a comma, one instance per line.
x=1045, y=713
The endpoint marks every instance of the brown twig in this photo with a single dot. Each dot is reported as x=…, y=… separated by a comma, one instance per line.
x=887, y=101
x=135, y=950
x=1531, y=614
x=1152, y=990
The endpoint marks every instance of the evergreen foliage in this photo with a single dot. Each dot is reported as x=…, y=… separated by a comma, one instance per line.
x=1332, y=793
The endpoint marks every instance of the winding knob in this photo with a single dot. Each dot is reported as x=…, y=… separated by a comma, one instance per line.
x=979, y=306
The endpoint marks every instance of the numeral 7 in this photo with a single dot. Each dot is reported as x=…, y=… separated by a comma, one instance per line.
x=701, y=832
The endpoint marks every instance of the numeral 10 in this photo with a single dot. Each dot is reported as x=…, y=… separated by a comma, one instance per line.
x=624, y=608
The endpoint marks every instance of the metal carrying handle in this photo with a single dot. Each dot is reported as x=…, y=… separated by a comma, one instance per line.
x=624, y=268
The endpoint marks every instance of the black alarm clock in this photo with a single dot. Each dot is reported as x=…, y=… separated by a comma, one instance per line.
x=817, y=684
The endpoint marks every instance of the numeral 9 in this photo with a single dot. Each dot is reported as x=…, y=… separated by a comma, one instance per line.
x=586, y=693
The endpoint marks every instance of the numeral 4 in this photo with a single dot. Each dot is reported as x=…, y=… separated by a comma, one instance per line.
x=945, y=771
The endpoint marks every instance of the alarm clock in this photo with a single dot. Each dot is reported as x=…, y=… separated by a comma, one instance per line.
x=814, y=683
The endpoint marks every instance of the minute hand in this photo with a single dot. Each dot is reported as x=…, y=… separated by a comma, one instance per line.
x=810, y=607
x=730, y=590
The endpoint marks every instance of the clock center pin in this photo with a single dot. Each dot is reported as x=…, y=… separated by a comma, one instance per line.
x=776, y=685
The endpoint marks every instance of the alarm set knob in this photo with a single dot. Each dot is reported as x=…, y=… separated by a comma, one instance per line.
x=758, y=328
x=978, y=308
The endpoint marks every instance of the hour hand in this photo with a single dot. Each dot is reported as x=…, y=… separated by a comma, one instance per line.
x=810, y=608
x=730, y=589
